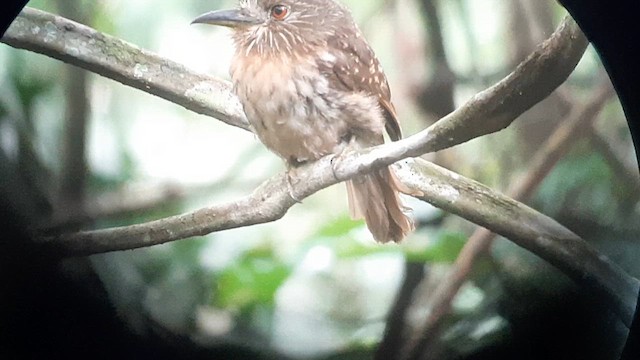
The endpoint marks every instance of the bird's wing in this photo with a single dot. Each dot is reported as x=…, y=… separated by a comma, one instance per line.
x=356, y=68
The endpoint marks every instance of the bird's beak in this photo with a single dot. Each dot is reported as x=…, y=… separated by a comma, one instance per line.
x=229, y=18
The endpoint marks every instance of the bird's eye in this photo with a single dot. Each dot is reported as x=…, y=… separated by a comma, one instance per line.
x=279, y=12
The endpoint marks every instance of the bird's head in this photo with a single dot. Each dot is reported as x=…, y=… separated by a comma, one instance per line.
x=269, y=27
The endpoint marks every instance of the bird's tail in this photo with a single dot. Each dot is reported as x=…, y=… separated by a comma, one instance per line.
x=375, y=197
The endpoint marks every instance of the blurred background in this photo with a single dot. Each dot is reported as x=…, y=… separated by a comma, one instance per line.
x=78, y=151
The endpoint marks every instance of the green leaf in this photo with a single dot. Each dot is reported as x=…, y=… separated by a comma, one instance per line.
x=445, y=249
x=337, y=235
x=583, y=182
x=252, y=280
x=341, y=226
x=349, y=248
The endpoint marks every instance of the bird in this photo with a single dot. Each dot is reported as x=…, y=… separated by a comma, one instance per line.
x=310, y=86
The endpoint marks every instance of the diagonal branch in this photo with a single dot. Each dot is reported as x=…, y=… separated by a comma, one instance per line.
x=268, y=202
x=527, y=228
x=481, y=240
x=500, y=104
x=82, y=46
x=442, y=188
x=487, y=112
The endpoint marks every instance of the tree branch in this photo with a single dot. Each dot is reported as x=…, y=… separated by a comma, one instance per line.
x=558, y=144
x=268, y=202
x=82, y=46
x=526, y=227
x=394, y=331
x=496, y=107
x=487, y=112
x=437, y=96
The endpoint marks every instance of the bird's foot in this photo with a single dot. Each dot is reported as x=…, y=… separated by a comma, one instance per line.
x=290, y=181
x=336, y=159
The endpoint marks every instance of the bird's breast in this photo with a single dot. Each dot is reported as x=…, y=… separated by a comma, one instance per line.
x=291, y=106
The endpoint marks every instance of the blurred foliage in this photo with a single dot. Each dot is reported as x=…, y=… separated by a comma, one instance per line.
x=28, y=85
x=250, y=281
x=180, y=254
x=338, y=236
x=444, y=249
x=583, y=182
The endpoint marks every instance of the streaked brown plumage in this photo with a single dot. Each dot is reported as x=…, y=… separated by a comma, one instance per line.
x=310, y=85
